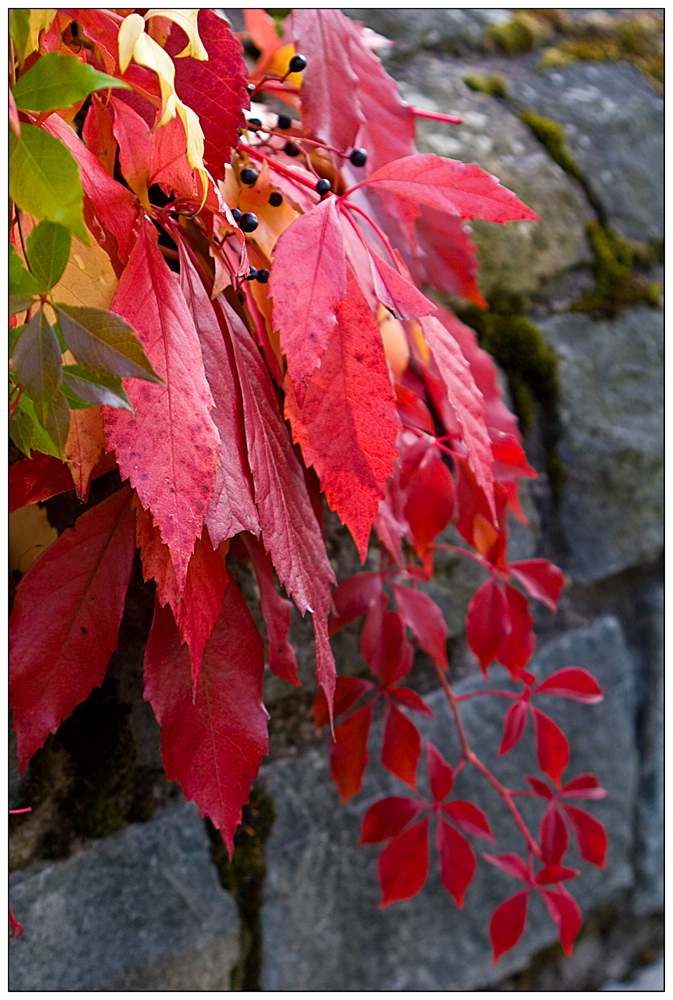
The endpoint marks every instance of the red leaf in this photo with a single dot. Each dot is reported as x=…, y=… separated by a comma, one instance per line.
x=571, y=682
x=553, y=752
x=446, y=257
x=401, y=745
x=512, y=864
x=539, y=787
x=155, y=556
x=420, y=613
x=307, y=283
x=277, y=613
x=213, y=744
x=515, y=723
x=353, y=598
x=411, y=700
x=37, y=478
x=592, y=839
x=457, y=863
x=135, y=147
x=469, y=818
x=325, y=667
x=347, y=426
x=566, y=913
x=439, y=773
x=115, y=206
x=517, y=649
x=466, y=400
x=396, y=292
x=325, y=37
x=554, y=837
x=542, y=580
x=169, y=450
x=65, y=621
x=488, y=623
x=231, y=507
x=403, y=865
x=388, y=817
x=431, y=500
x=199, y=606
x=584, y=786
x=290, y=531
x=348, y=691
x=348, y=756
x=508, y=923
x=451, y=186
x=384, y=645
x=214, y=89
x=168, y=164
x=98, y=135
x=553, y=873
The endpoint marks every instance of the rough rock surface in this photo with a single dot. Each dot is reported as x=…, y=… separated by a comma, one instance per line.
x=614, y=125
x=140, y=910
x=321, y=923
x=611, y=385
x=450, y=29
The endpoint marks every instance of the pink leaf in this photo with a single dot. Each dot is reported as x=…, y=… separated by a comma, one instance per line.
x=348, y=756
x=65, y=620
x=347, y=426
x=398, y=293
x=571, y=682
x=401, y=746
x=169, y=449
x=277, y=613
x=457, y=863
x=403, y=865
x=212, y=744
x=308, y=282
x=584, y=786
x=135, y=147
x=388, y=817
x=508, y=923
x=553, y=752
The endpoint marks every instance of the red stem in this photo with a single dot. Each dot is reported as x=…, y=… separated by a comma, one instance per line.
x=437, y=116
x=254, y=154
x=470, y=756
x=481, y=694
x=381, y=235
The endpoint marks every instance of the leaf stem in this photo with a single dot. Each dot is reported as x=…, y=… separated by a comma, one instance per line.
x=437, y=116
x=256, y=155
x=381, y=235
x=481, y=694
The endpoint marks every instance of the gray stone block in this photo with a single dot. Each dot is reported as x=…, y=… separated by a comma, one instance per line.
x=141, y=910
x=321, y=924
x=614, y=123
x=451, y=29
x=521, y=256
x=611, y=407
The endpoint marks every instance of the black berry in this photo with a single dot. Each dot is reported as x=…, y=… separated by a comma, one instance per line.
x=291, y=150
x=248, y=175
x=255, y=122
x=358, y=157
x=284, y=121
x=248, y=222
x=297, y=64
x=252, y=273
x=323, y=186
x=275, y=199
x=251, y=88
x=237, y=213
x=262, y=275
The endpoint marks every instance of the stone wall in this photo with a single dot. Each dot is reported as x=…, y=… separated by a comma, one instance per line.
x=142, y=907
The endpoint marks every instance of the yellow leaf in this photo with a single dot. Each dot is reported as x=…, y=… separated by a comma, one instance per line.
x=40, y=20
x=187, y=19
x=30, y=533
x=88, y=279
x=281, y=63
x=394, y=339
x=131, y=29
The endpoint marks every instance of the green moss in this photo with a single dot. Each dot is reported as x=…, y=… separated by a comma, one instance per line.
x=553, y=138
x=617, y=283
x=243, y=876
x=493, y=84
x=522, y=34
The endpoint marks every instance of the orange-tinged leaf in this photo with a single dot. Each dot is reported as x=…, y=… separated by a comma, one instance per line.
x=171, y=448
x=66, y=616
x=156, y=557
x=84, y=447
x=200, y=603
x=30, y=533
x=347, y=426
x=212, y=743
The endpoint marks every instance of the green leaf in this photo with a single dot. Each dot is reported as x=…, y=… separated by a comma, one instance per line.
x=37, y=363
x=44, y=179
x=47, y=252
x=21, y=281
x=57, y=81
x=74, y=401
x=14, y=335
x=19, y=303
x=57, y=421
x=19, y=29
x=104, y=342
x=106, y=390
x=61, y=342
x=27, y=433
